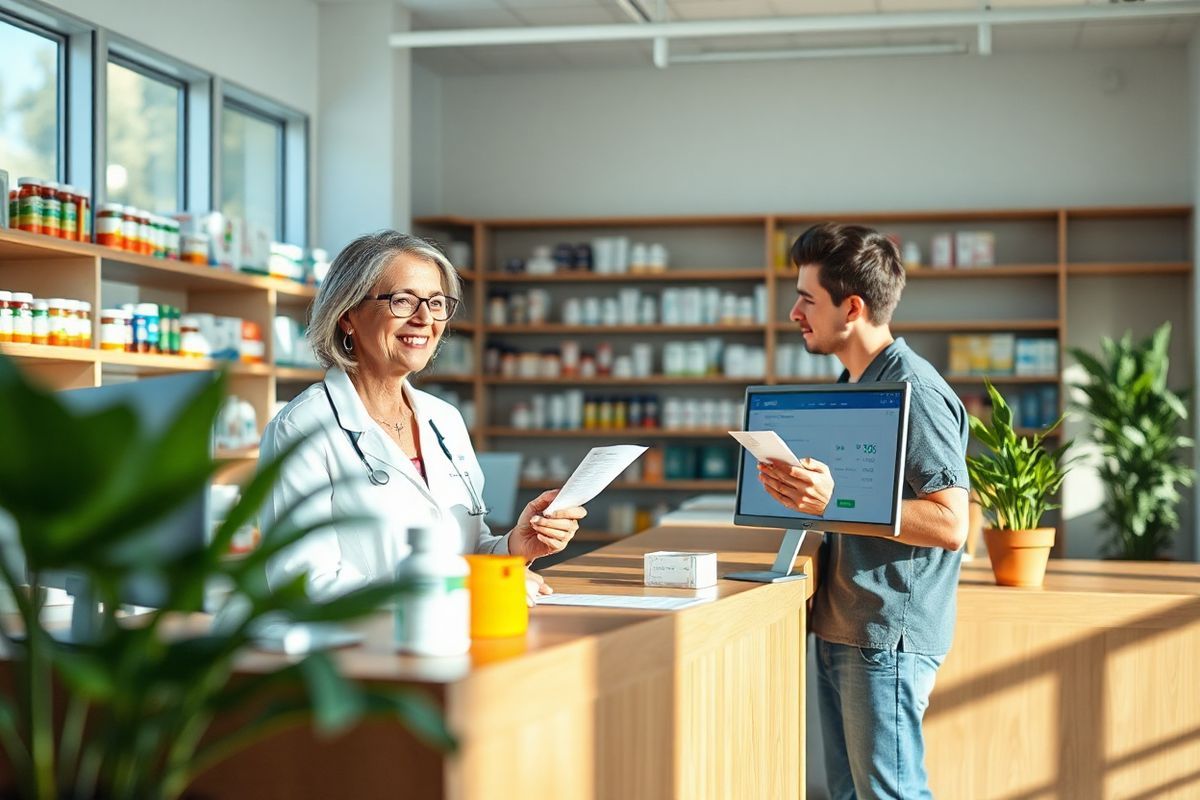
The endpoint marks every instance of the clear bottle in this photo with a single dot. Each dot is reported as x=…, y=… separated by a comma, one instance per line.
x=433, y=618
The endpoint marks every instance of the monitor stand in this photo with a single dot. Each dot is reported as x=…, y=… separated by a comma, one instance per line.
x=781, y=570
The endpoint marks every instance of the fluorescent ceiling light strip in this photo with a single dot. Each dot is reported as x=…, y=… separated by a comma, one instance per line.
x=923, y=20
x=820, y=52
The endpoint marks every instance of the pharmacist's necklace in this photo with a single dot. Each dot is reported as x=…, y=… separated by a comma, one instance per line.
x=397, y=426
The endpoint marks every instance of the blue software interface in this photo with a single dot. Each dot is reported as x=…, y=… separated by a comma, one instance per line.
x=855, y=433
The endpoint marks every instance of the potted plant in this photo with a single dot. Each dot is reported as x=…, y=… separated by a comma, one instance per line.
x=125, y=712
x=1136, y=420
x=1015, y=478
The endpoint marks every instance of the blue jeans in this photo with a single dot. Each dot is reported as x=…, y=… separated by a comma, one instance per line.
x=872, y=703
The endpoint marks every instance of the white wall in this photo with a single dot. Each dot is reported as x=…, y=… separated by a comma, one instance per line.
x=1009, y=130
x=365, y=147
x=267, y=46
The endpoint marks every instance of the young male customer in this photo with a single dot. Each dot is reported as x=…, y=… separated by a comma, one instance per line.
x=884, y=609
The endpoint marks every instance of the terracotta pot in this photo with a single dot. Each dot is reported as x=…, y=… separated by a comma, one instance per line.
x=1019, y=557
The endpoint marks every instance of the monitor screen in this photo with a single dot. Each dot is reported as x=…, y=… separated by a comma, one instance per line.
x=858, y=430
x=501, y=472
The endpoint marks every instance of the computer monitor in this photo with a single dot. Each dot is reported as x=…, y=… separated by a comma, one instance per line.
x=156, y=402
x=501, y=473
x=859, y=430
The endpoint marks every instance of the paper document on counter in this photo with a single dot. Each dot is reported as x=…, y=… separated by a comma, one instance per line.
x=620, y=601
x=597, y=470
x=766, y=446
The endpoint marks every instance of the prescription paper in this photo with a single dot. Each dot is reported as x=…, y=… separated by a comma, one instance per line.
x=597, y=470
x=766, y=446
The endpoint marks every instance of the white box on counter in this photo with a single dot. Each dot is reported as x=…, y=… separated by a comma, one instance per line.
x=680, y=570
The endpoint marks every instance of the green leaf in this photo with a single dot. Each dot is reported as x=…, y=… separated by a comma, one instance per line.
x=337, y=704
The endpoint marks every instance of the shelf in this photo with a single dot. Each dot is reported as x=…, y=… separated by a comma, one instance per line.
x=670, y=276
x=46, y=354
x=1112, y=269
x=656, y=380
x=461, y=327
x=608, y=330
x=299, y=374
x=149, y=362
x=118, y=265
x=133, y=362
x=624, y=433
x=976, y=325
x=900, y=217
x=1000, y=379
x=660, y=486
x=1139, y=212
x=1004, y=271
x=682, y=221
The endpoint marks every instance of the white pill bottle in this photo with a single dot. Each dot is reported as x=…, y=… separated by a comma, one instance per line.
x=433, y=615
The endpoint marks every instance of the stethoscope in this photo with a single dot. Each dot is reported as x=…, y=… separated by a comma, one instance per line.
x=380, y=477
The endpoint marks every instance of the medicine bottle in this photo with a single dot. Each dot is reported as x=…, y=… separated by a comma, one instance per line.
x=21, y=309
x=41, y=324
x=110, y=224
x=112, y=329
x=57, y=321
x=433, y=617
x=68, y=212
x=51, y=209
x=29, y=205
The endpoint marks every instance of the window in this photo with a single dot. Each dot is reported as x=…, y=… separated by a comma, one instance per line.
x=252, y=168
x=144, y=142
x=30, y=103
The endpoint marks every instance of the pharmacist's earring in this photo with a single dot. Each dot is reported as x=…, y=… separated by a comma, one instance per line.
x=347, y=343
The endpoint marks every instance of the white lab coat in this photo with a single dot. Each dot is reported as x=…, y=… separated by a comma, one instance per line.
x=344, y=557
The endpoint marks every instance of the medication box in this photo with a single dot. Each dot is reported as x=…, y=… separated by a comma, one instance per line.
x=680, y=570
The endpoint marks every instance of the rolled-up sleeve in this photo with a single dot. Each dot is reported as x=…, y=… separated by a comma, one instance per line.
x=937, y=457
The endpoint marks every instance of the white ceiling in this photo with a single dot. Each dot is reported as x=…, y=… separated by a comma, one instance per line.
x=442, y=14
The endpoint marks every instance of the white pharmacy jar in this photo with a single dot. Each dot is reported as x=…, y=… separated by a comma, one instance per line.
x=433, y=616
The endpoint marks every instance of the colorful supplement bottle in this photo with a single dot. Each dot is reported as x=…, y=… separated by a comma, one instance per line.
x=41, y=323
x=6, y=319
x=84, y=200
x=29, y=205
x=51, y=209
x=129, y=229
x=69, y=198
x=22, y=308
x=57, y=322
x=110, y=225
x=112, y=329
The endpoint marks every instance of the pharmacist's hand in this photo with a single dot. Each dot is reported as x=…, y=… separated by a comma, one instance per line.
x=806, y=488
x=535, y=585
x=538, y=534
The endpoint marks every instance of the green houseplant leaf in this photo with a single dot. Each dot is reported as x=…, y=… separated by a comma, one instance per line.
x=1135, y=423
x=1016, y=476
x=140, y=698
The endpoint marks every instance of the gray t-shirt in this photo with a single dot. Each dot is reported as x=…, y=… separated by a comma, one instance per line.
x=880, y=593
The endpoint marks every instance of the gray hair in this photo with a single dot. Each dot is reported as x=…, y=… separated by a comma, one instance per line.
x=352, y=274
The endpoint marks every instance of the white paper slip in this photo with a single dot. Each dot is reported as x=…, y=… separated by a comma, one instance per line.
x=766, y=446
x=597, y=470
x=620, y=601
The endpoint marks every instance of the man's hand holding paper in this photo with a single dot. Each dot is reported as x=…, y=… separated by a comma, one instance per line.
x=803, y=485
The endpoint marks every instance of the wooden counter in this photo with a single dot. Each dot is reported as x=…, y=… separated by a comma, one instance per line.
x=1084, y=689
x=707, y=702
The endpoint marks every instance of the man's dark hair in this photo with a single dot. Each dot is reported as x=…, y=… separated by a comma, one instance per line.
x=853, y=259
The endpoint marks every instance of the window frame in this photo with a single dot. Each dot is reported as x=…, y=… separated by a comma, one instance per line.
x=122, y=57
x=281, y=184
x=61, y=87
x=84, y=50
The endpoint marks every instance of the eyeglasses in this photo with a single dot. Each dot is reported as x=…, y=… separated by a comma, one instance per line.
x=404, y=304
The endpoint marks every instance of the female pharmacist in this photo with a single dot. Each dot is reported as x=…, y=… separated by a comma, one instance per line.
x=374, y=446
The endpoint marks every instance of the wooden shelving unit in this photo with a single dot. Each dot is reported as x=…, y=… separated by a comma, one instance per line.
x=1038, y=251
x=50, y=267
